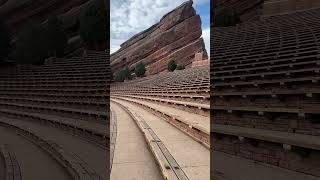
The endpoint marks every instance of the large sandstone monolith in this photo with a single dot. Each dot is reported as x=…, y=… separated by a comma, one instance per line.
x=177, y=36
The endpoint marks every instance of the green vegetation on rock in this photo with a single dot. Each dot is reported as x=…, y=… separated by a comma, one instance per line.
x=172, y=65
x=140, y=70
x=122, y=75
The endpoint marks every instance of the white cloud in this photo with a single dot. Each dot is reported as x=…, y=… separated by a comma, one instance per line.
x=129, y=17
x=206, y=38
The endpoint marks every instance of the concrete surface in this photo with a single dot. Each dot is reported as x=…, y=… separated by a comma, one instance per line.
x=34, y=162
x=192, y=157
x=94, y=156
x=237, y=168
x=132, y=157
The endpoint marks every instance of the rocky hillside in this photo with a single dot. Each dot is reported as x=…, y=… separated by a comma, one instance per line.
x=247, y=9
x=177, y=36
x=19, y=12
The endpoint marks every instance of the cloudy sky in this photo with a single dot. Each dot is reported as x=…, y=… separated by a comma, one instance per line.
x=129, y=17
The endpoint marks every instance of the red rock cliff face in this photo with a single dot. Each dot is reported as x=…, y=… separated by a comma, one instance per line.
x=247, y=9
x=18, y=12
x=177, y=36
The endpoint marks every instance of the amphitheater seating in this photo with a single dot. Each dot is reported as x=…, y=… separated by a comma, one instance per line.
x=71, y=93
x=265, y=77
x=188, y=89
x=180, y=97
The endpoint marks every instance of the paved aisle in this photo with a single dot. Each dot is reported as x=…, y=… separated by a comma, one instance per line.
x=132, y=158
x=192, y=157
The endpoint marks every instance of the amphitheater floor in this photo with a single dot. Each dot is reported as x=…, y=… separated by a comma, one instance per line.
x=2, y=168
x=93, y=155
x=132, y=158
x=192, y=157
x=34, y=162
x=235, y=168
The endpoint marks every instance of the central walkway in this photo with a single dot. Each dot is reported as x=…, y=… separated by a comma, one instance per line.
x=192, y=157
x=132, y=158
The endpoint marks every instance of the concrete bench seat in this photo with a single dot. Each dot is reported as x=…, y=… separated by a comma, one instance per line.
x=201, y=123
x=299, y=140
x=266, y=75
x=266, y=82
x=94, y=128
x=52, y=74
x=58, y=95
x=266, y=109
x=264, y=67
x=272, y=93
x=81, y=103
x=40, y=82
x=187, y=95
x=81, y=114
x=184, y=103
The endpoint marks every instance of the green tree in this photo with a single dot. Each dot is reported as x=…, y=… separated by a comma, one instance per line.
x=140, y=70
x=93, y=24
x=4, y=40
x=55, y=36
x=119, y=76
x=172, y=65
x=127, y=73
x=30, y=47
x=122, y=75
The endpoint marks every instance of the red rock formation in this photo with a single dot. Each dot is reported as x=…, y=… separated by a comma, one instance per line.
x=247, y=9
x=19, y=12
x=177, y=36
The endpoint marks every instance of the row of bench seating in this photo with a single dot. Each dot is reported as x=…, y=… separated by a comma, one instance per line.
x=187, y=89
x=265, y=89
x=67, y=94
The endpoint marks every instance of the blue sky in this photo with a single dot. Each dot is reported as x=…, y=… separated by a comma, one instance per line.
x=129, y=17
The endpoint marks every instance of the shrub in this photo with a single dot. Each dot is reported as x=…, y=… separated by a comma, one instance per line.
x=180, y=67
x=119, y=76
x=140, y=70
x=122, y=75
x=172, y=65
x=127, y=73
